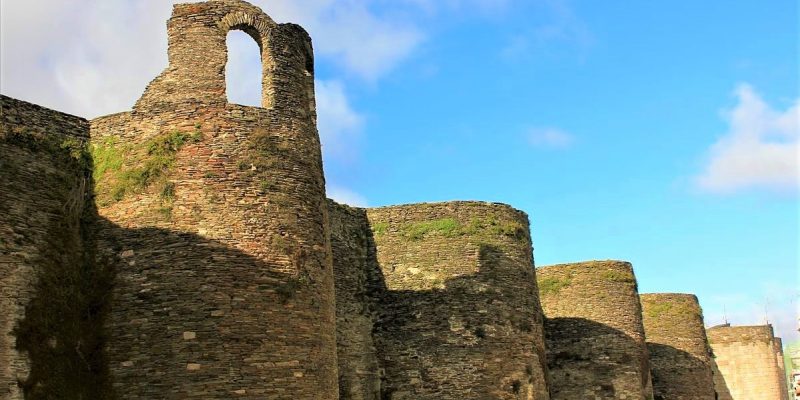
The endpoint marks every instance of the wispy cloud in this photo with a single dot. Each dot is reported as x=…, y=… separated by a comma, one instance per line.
x=96, y=57
x=481, y=6
x=351, y=34
x=340, y=126
x=561, y=26
x=551, y=138
x=760, y=149
x=345, y=196
x=85, y=57
x=775, y=303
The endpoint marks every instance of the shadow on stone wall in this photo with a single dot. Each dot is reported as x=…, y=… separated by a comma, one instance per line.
x=585, y=358
x=57, y=285
x=676, y=372
x=225, y=300
x=720, y=385
x=457, y=341
x=68, y=322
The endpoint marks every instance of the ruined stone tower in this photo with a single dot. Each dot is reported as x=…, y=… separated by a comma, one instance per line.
x=217, y=213
x=679, y=353
x=746, y=357
x=593, y=328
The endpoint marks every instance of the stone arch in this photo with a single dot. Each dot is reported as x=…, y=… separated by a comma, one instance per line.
x=197, y=53
x=257, y=27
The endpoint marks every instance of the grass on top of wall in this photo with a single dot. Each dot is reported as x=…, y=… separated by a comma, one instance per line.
x=487, y=226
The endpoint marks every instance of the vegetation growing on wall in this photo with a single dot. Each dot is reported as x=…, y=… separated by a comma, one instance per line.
x=657, y=310
x=379, y=228
x=449, y=227
x=619, y=276
x=69, y=150
x=260, y=158
x=121, y=170
x=553, y=285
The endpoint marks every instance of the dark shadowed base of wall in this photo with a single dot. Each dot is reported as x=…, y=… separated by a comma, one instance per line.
x=674, y=365
x=591, y=360
x=357, y=279
x=52, y=288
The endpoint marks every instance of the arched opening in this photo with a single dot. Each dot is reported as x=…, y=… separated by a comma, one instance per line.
x=243, y=72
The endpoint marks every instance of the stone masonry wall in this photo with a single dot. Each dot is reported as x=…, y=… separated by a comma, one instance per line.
x=217, y=213
x=778, y=344
x=720, y=386
x=680, y=358
x=459, y=316
x=593, y=328
x=356, y=273
x=50, y=312
x=745, y=356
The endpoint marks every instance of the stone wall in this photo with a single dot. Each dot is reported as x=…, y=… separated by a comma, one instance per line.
x=720, y=386
x=459, y=316
x=680, y=358
x=778, y=344
x=217, y=213
x=50, y=307
x=593, y=329
x=745, y=356
x=357, y=276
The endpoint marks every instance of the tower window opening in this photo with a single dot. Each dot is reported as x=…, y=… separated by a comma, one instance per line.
x=243, y=72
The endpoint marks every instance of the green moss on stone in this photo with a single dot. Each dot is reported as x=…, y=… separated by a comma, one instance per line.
x=658, y=309
x=142, y=165
x=488, y=226
x=379, y=228
x=447, y=227
x=618, y=276
x=548, y=286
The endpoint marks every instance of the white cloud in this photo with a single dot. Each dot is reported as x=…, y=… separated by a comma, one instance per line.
x=94, y=57
x=776, y=305
x=481, y=6
x=339, y=125
x=243, y=71
x=345, y=196
x=351, y=34
x=760, y=149
x=553, y=138
x=86, y=57
x=561, y=26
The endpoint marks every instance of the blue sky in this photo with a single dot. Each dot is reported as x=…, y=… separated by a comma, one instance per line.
x=663, y=133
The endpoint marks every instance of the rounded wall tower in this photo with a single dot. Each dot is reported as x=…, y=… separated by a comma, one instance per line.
x=216, y=213
x=593, y=329
x=679, y=352
x=459, y=317
x=747, y=361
